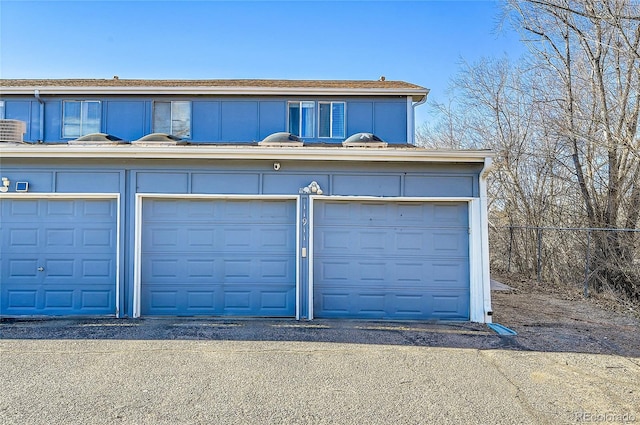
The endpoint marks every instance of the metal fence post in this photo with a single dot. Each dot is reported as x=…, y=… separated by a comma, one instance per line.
x=539, y=234
x=510, y=247
x=586, y=265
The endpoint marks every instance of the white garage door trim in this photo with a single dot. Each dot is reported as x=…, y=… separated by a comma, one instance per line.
x=479, y=282
x=81, y=196
x=140, y=197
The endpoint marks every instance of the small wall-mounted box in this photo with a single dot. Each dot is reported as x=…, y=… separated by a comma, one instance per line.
x=22, y=186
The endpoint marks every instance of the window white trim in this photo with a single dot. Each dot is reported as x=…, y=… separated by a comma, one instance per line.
x=310, y=104
x=331, y=117
x=172, y=108
x=315, y=125
x=2, y=110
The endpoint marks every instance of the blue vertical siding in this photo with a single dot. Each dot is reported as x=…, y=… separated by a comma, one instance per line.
x=273, y=117
x=52, y=121
x=239, y=121
x=387, y=117
x=225, y=183
x=359, y=117
x=87, y=181
x=214, y=119
x=124, y=119
x=205, y=121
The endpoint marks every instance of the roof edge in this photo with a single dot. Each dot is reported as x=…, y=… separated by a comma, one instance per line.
x=251, y=152
x=416, y=94
x=211, y=87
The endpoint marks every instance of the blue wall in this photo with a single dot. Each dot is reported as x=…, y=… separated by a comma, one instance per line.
x=214, y=119
x=232, y=177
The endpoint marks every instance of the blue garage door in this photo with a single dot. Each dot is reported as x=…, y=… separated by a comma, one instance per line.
x=218, y=257
x=58, y=257
x=391, y=260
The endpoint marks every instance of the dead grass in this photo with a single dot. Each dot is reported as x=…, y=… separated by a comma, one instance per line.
x=560, y=318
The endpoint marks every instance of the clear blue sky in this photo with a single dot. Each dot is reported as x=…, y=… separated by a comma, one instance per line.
x=421, y=42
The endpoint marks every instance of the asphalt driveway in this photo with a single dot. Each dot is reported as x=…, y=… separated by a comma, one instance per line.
x=174, y=371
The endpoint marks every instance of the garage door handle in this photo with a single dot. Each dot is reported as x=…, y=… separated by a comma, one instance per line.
x=40, y=269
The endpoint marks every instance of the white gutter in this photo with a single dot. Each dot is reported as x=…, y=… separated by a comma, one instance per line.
x=310, y=153
x=417, y=94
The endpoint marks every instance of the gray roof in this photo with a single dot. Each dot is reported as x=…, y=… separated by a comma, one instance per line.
x=118, y=82
x=118, y=86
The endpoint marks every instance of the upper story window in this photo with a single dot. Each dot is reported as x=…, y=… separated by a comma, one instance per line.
x=331, y=119
x=1, y=109
x=172, y=117
x=80, y=117
x=302, y=118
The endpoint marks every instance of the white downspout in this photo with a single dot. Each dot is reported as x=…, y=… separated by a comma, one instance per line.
x=411, y=121
x=484, y=235
x=36, y=93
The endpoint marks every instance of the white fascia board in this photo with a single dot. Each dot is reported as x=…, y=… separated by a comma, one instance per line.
x=243, y=152
x=417, y=94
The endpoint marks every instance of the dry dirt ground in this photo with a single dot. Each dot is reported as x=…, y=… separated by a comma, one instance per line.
x=551, y=318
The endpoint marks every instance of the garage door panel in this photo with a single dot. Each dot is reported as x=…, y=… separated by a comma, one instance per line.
x=392, y=241
x=391, y=273
x=25, y=237
x=22, y=298
x=59, y=257
x=396, y=304
x=372, y=213
x=217, y=237
x=202, y=267
x=228, y=257
x=388, y=259
x=184, y=299
x=59, y=299
x=51, y=236
x=20, y=268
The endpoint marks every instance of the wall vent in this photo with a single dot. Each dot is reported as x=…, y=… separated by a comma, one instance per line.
x=12, y=130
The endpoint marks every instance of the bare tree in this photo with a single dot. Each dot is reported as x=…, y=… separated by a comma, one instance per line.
x=496, y=104
x=590, y=50
x=564, y=122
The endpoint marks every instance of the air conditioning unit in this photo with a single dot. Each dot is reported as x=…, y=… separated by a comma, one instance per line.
x=12, y=130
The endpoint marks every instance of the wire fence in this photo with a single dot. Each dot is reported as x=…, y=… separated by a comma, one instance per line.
x=594, y=258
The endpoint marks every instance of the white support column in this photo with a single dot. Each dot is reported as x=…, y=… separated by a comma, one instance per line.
x=137, y=269
x=476, y=297
x=480, y=279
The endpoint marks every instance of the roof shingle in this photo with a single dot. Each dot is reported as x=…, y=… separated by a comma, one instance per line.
x=240, y=83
